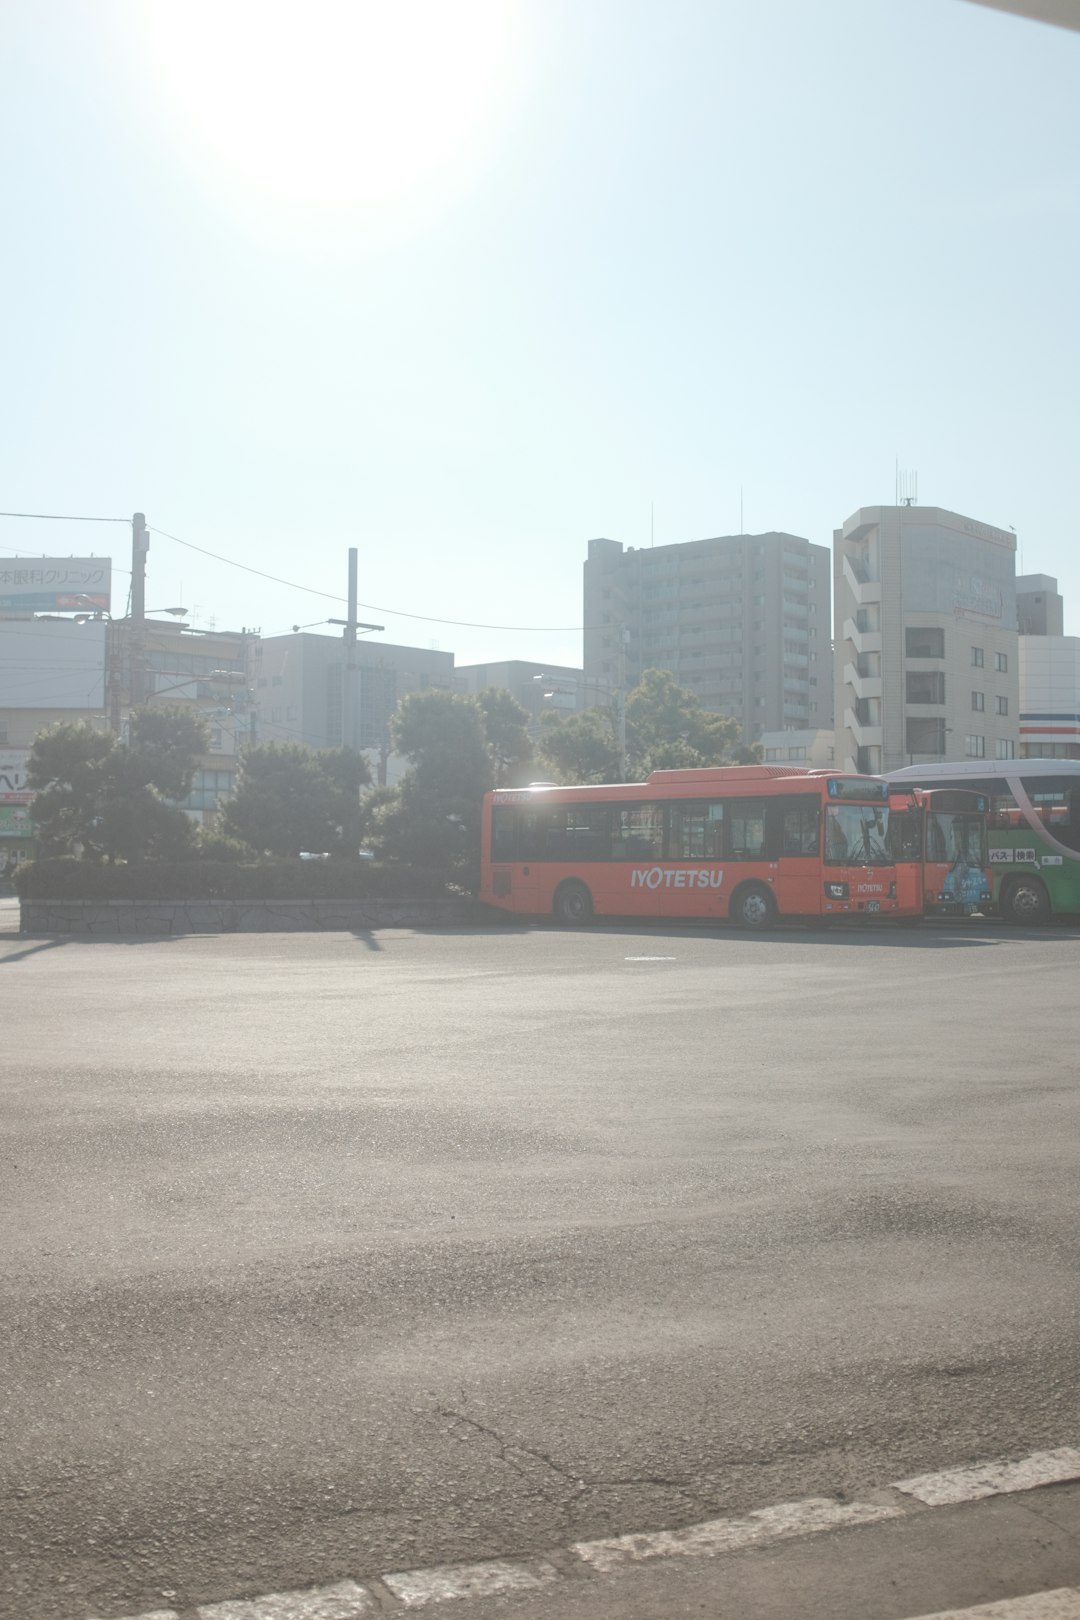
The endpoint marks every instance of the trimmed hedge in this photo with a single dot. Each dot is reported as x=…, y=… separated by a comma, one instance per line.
x=68, y=879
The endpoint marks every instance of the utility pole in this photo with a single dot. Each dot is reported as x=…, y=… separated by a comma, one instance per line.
x=348, y=695
x=140, y=545
x=348, y=659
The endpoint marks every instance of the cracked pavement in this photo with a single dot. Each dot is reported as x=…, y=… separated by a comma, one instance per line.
x=321, y=1261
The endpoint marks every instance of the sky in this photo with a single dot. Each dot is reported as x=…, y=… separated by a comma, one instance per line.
x=466, y=285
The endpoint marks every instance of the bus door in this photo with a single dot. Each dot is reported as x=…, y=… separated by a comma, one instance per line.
x=906, y=844
x=793, y=845
x=701, y=874
x=956, y=872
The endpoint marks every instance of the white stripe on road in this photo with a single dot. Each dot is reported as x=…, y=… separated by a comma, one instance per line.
x=649, y=959
x=1061, y=1604
x=345, y=1601
x=414, y=1588
x=993, y=1478
x=728, y=1535
x=418, y=1586
x=155, y=1614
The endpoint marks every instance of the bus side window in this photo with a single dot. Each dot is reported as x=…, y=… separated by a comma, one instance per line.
x=800, y=828
x=504, y=819
x=638, y=832
x=1004, y=811
x=747, y=838
x=696, y=831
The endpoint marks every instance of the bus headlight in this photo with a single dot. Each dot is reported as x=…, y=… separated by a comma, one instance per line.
x=836, y=891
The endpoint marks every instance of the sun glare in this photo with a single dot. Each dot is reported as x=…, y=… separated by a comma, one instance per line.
x=333, y=104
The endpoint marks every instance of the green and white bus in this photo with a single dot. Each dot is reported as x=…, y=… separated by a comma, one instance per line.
x=1034, y=829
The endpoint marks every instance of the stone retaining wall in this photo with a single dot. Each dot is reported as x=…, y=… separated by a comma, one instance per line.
x=111, y=917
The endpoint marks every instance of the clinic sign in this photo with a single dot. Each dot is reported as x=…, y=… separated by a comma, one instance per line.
x=14, y=764
x=55, y=585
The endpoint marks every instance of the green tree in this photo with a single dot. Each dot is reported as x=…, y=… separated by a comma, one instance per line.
x=67, y=770
x=111, y=798
x=505, y=727
x=666, y=729
x=432, y=819
x=581, y=747
x=289, y=800
x=347, y=773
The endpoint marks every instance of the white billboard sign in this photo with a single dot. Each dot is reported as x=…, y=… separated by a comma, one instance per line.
x=55, y=584
x=13, y=768
x=52, y=664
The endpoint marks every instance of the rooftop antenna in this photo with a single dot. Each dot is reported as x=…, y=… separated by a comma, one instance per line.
x=1020, y=543
x=742, y=528
x=907, y=488
x=652, y=523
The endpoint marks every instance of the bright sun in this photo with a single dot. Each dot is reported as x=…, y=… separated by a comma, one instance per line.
x=334, y=104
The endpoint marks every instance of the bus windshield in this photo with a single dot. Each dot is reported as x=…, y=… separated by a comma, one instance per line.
x=953, y=837
x=857, y=835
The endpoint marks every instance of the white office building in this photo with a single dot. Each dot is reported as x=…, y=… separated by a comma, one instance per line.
x=926, y=654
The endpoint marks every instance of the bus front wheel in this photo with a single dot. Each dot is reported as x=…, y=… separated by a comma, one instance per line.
x=754, y=906
x=573, y=904
x=1025, y=902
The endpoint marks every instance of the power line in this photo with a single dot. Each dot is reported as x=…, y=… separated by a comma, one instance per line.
x=373, y=607
x=65, y=517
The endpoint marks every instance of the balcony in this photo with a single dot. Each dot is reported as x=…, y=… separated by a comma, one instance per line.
x=863, y=686
x=863, y=641
x=865, y=736
x=862, y=587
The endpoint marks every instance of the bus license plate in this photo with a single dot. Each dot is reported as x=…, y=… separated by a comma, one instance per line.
x=873, y=905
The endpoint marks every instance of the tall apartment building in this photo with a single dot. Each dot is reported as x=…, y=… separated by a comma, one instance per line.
x=742, y=620
x=926, y=655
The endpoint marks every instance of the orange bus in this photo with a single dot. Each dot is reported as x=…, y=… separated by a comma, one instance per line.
x=747, y=842
x=939, y=840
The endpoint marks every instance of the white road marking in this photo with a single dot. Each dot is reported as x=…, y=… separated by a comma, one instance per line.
x=414, y=1588
x=154, y=1614
x=345, y=1601
x=1061, y=1604
x=418, y=1586
x=993, y=1478
x=650, y=959
x=727, y=1535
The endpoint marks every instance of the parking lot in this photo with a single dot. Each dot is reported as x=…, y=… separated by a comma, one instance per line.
x=329, y=1255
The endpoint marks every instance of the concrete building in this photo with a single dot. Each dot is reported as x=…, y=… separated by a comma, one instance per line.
x=539, y=688
x=212, y=671
x=1049, y=672
x=816, y=750
x=742, y=620
x=1040, y=609
x=926, y=654
x=299, y=692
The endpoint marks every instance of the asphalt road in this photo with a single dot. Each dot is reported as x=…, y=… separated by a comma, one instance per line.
x=327, y=1255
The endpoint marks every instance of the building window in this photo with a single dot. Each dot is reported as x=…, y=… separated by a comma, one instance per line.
x=922, y=642
x=926, y=737
x=978, y=701
x=925, y=686
x=1001, y=663
x=1002, y=705
x=1006, y=748
x=975, y=747
x=977, y=659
